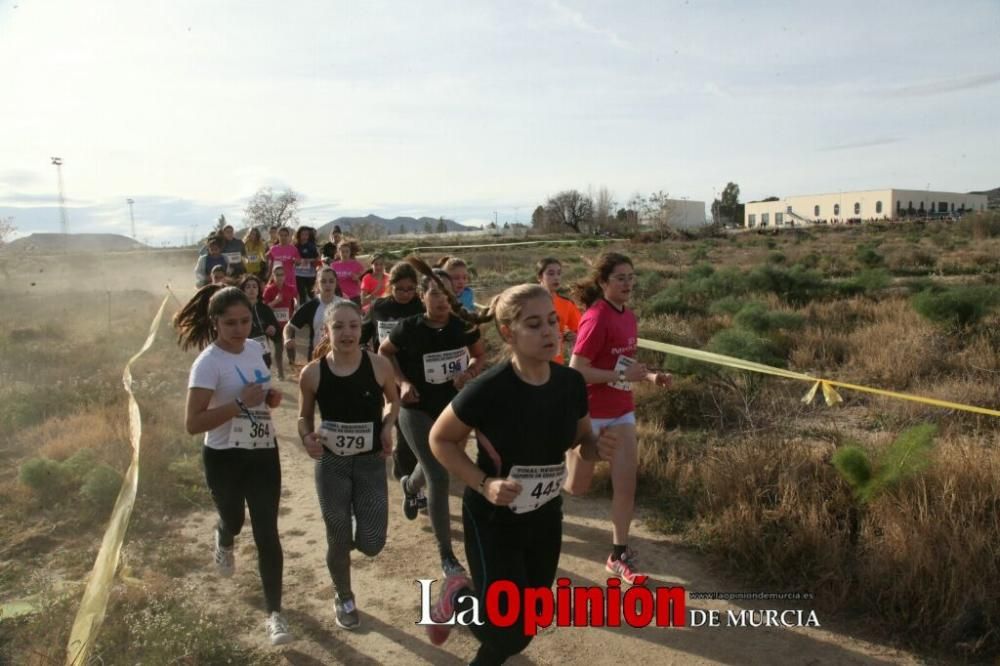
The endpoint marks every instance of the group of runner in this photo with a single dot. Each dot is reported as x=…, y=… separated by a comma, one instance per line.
x=414, y=363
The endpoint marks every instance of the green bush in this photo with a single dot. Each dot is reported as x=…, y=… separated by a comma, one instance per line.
x=729, y=305
x=47, y=478
x=80, y=464
x=100, y=487
x=757, y=318
x=866, y=282
x=956, y=306
x=776, y=258
x=796, y=285
x=869, y=256
x=744, y=344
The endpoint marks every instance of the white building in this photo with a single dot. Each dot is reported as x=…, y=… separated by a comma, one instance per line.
x=686, y=214
x=856, y=206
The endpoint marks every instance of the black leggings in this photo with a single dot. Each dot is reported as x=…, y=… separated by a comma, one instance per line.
x=403, y=460
x=238, y=477
x=305, y=285
x=502, y=546
x=351, y=486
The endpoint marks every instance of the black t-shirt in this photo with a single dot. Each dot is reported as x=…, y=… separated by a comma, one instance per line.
x=526, y=424
x=415, y=340
x=384, y=311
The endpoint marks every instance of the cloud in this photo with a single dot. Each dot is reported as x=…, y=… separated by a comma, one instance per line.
x=862, y=144
x=942, y=86
x=579, y=21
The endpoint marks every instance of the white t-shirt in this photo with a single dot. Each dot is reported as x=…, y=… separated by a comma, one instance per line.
x=220, y=371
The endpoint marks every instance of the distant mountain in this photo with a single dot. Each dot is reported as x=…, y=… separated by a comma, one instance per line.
x=49, y=243
x=992, y=198
x=410, y=225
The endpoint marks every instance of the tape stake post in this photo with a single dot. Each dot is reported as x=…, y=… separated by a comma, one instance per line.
x=94, y=603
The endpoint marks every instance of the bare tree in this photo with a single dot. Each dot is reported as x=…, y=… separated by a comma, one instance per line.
x=267, y=208
x=570, y=208
x=604, y=207
x=658, y=212
x=539, y=221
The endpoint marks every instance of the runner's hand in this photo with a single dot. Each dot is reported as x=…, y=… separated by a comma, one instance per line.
x=461, y=380
x=313, y=446
x=501, y=492
x=253, y=394
x=607, y=444
x=409, y=393
x=273, y=398
x=636, y=372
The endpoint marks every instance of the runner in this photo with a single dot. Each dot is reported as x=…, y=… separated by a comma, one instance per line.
x=256, y=251
x=206, y=262
x=549, y=273
x=381, y=319
x=284, y=254
x=305, y=267
x=280, y=297
x=354, y=438
x=373, y=284
x=605, y=355
x=228, y=399
x=458, y=271
x=330, y=247
x=349, y=270
x=511, y=507
x=264, y=324
x=311, y=312
x=430, y=354
x=272, y=236
x=219, y=276
x=234, y=251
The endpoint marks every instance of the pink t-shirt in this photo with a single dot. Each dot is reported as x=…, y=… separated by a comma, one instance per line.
x=287, y=255
x=605, y=335
x=349, y=286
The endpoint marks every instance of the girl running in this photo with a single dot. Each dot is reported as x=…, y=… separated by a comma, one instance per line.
x=284, y=254
x=263, y=324
x=228, y=399
x=255, y=251
x=349, y=270
x=354, y=438
x=382, y=317
x=311, y=312
x=430, y=354
x=373, y=284
x=511, y=507
x=280, y=297
x=305, y=267
x=605, y=356
x=549, y=273
x=458, y=271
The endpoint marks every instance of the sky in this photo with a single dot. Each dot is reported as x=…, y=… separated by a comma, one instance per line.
x=460, y=109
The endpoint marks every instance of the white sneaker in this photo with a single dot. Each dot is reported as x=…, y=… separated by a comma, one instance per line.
x=225, y=559
x=277, y=629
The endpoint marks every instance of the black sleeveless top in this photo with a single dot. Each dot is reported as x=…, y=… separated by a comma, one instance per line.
x=356, y=398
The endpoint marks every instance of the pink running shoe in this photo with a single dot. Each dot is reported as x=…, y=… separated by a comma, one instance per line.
x=445, y=607
x=625, y=568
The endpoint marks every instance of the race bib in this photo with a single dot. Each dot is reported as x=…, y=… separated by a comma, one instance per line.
x=347, y=439
x=252, y=258
x=281, y=314
x=624, y=362
x=540, y=484
x=256, y=434
x=234, y=257
x=384, y=328
x=442, y=367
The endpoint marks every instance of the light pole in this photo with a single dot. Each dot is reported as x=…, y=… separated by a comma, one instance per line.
x=131, y=215
x=64, y=223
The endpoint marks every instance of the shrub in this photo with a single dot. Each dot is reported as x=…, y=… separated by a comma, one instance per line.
x=47, y=478
x=866, y=282
x=957, y=306
x=100, y=487
x=796, y=285
x=729, y=305
x=869, y=256
x=744, y=344
x=80, y=464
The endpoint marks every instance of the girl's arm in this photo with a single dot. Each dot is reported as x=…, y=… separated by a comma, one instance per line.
x=308, y=383
x=447, y=440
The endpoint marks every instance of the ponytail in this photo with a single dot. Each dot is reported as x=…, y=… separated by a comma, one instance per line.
x=589, y=290
x=434, y=276
x=194, y=322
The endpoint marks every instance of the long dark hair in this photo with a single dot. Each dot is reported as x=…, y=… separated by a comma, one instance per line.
x=588, y=290
x=431, y=276
x=194, y=322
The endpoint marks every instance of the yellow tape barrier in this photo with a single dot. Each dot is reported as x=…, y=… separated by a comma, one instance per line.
x=90, y=615
x=537, y=242
x=827, y=386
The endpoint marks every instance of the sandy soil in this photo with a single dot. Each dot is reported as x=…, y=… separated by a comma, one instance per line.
x=388, y=595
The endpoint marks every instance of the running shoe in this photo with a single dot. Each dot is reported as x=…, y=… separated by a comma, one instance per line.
x=445, y=607
x=409, y=500
x=624, y=568
x=225, y=559
x=277, y=629
x=346, y=612
x=450, y=566
x=421, y=501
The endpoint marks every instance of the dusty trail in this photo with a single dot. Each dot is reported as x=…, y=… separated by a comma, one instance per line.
x=388, y=596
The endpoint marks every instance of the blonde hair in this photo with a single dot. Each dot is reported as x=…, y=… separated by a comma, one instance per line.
x=507, y=306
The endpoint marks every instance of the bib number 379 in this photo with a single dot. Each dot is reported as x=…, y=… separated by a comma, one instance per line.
x=347, y=439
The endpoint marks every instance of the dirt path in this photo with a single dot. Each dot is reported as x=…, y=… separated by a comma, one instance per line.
x=388, y=596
